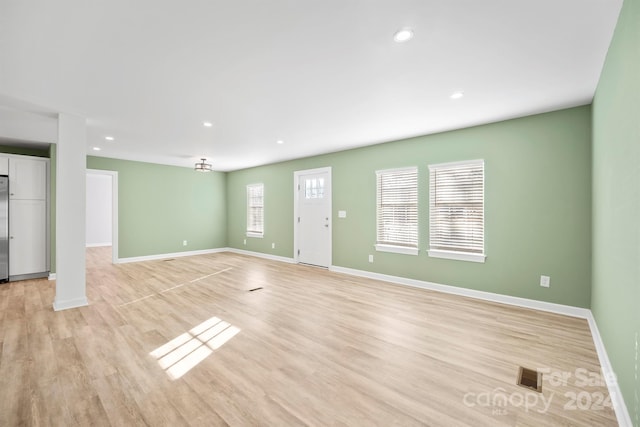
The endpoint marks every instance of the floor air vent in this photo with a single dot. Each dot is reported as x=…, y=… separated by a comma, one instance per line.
x=530, y=379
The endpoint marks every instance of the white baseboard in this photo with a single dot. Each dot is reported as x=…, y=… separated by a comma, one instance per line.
x=171, y=255
x=261, y=255
x=204, y=252
x=98, y=245
x=72, y=303
x=471, y=293
x=52, y=276
x=617, y=400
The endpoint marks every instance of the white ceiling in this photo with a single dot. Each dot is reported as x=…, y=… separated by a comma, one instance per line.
x=321, y=75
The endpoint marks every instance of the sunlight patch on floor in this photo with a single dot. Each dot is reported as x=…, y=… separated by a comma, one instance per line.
x=183, y=353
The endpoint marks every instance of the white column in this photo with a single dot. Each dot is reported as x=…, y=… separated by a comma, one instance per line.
x=70, y=212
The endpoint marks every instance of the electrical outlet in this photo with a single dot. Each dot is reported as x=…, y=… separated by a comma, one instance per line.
x=273, y=246
x=370, y=258
x=245, y=241
x=545, y=281
x=184, y=243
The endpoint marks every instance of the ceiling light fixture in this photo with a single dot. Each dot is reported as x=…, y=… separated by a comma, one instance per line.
x=109, y=138
x=279, y=141
x=457, y=94
x=207, y=124
x=203, y=166
x=97, y=148
x=403, y=35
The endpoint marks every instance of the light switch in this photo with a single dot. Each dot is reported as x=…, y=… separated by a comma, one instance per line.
x=545, y=281
x=342, y=214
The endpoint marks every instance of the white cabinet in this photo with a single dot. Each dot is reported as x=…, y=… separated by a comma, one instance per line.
x=27, y=237
x=27, y=178
x=4, y=165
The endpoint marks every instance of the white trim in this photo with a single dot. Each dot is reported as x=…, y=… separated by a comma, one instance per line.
x=455, y=164
x=98, y=245
x=73, y=303
x=264, y=223
x=48, y=210
x=312, y=171
x=114, y=217
x=52, y=276
x=397, y=249
x=402, y=169
x=114, y=209
x=170, y=255
x=471, y=293
x=459, y=256
x=261, y=255
x=205, y=252
x=25, y=157
x=617, y=400
x=296, y=201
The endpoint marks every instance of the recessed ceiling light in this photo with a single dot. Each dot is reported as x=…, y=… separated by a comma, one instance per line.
x=97, y=148
x=403, y=35
x=109, y=138
x=279, y=141
x=457, y=94
x=207, y=124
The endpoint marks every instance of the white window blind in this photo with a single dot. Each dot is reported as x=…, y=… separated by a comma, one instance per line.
x=255, y=210
x=456, y=208
x=397, y=208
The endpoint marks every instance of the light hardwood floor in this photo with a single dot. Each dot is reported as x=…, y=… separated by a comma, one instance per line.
x=310, y=348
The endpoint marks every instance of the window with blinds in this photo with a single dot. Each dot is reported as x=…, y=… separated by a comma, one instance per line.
x=255, y=210
x=456, y=210
x=397, y=210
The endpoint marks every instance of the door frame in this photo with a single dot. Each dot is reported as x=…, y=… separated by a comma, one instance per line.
x=296, y=202
x=114, y=209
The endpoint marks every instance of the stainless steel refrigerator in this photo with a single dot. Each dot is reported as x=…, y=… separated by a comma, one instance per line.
x=4, y=228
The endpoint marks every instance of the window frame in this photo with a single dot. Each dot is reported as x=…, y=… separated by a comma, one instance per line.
x=389, y=246
x=254, y=233
x=459, y=255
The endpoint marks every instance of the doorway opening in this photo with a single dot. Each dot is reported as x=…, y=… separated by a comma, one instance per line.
x=102, y=211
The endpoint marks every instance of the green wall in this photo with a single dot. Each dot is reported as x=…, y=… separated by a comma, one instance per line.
x=616, y=205
x=160, y=206
x=538, y=204
x=24, y=151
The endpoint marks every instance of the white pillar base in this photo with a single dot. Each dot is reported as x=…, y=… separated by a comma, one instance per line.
x=74, y=303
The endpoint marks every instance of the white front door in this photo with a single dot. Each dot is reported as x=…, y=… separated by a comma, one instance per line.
x=313, y=217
